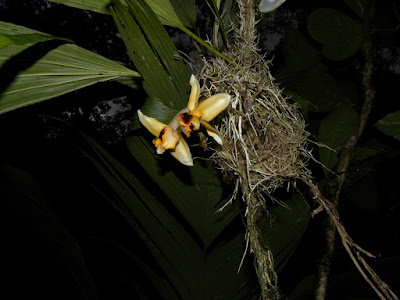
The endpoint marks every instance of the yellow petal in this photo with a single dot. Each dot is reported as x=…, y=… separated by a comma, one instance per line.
x=151, y=124
x=194, y=93
x=214, y=133
x=182, y=152
x=169, y=138
x=213, y=106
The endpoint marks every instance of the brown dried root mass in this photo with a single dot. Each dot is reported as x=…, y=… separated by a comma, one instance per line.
x=265, y=140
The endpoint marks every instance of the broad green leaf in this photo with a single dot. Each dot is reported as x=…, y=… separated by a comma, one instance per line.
x=302, y=102
x=304, y=75
x=283, y=227
x=164, y=48
x=155, y=108
x=165, y=12
x=162, y=8
x=222, y=279
x=298, y=54
x=390, y=125
x=99, y=6
x=157, y=74
x=366, y=159
x=36, y=73
x=127, y=81
x=340, y=35
x=26, y=39
x=196, y=191
x=194, y=271
x=323, y=91
x=157, y=278
x=203, y=196
x=186, y=11
x=168, y=241
x=335, y=130
x=369, y=150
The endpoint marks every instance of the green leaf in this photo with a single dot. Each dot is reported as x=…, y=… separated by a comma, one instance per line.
x=340, y=35
x=320, y=88
x=26, y=39
x=186, y=11
x=222, y=279
x=99, y=6
x=196, y=191
x=298, y=54
x=169, y=243
x=390, y=125
x=283, y=227
x=302, y=102
x=163, y=47
x=335, y=130
x=194, y=271
x=372, y=149
x=36, y=73
x=164, y=10
x=305, y=76
x=164, y=77
x=155, y=108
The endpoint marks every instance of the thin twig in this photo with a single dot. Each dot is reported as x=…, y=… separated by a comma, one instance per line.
x=380, y=287
x=344, y=163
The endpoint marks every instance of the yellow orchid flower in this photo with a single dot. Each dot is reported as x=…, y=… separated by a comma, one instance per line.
x=202, y=113
x=167, y=138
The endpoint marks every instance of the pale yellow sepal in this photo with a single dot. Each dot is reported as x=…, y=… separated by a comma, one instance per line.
x=194, y=93
x=151, y=124
x=214, y=133
x=182, y=152
x=213, y=106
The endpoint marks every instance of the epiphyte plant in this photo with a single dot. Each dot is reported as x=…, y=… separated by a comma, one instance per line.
x=169, y=137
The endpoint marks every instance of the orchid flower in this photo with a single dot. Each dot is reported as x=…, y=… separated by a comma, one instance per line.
x=167, y=138
x=188, y=119
x=203, y=112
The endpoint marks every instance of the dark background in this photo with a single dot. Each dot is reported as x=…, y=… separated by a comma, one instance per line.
x=40, y=156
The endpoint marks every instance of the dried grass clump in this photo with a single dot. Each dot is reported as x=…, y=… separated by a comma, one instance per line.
x=265, y=139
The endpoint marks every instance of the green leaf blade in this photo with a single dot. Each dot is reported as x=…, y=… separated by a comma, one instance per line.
x=168, y=241
x=157, y=81
x=196, y=191
x=282, y=229
x=162, y=44
x=25, y=39
x=57, y=70
x=166, y=11
x=390, y=125
x=335, y=130
x=340, y=35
